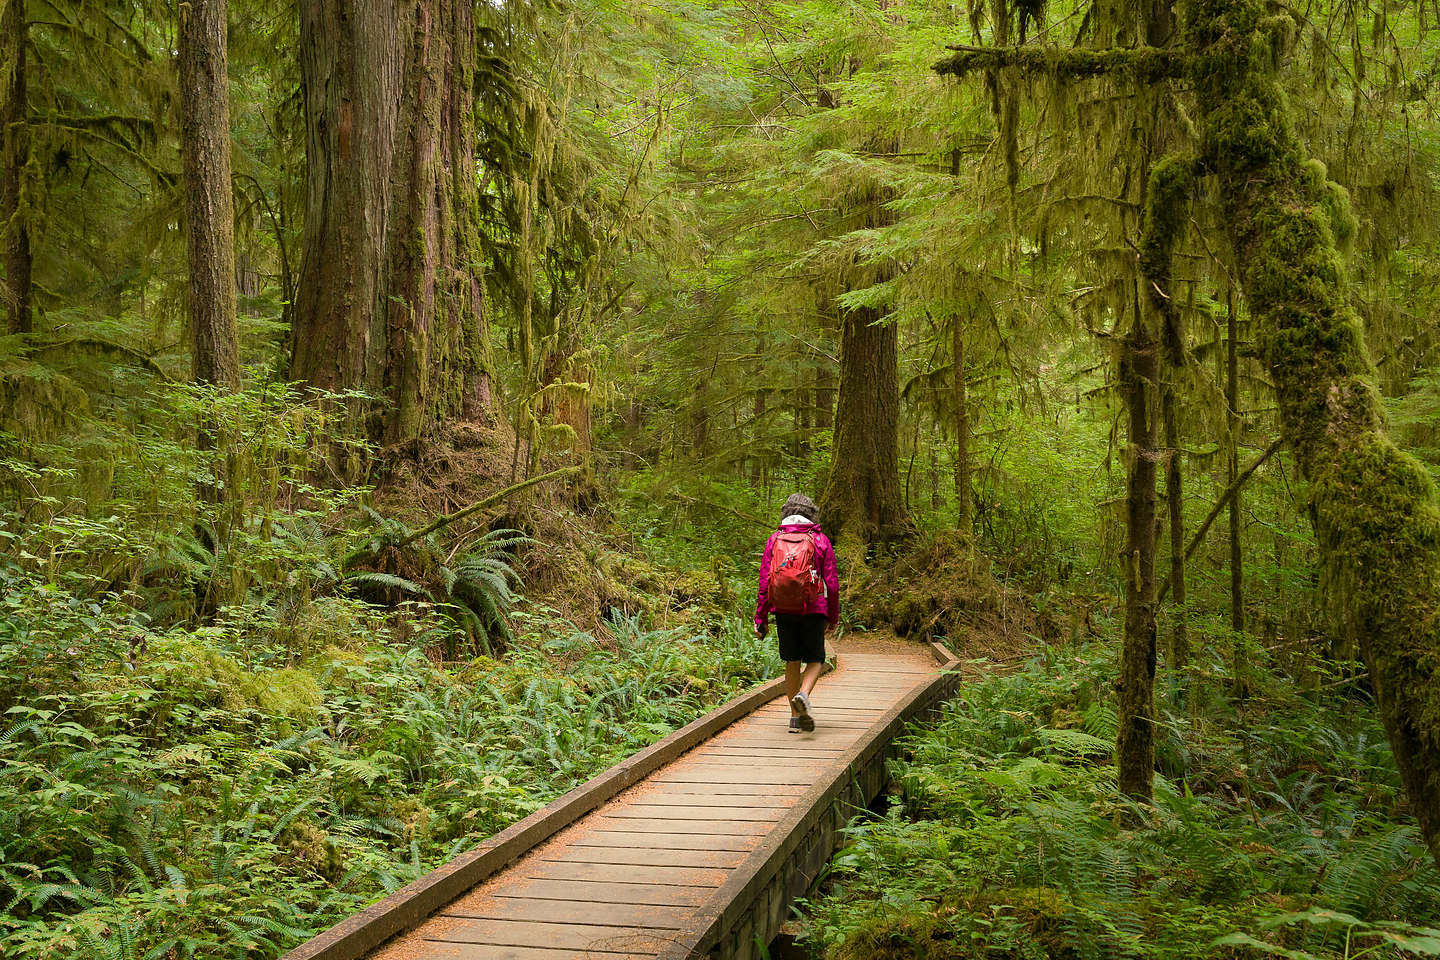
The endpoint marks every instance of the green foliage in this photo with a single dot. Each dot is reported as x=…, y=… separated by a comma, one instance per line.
x=475, y=590
x=1011, y=840
x=188, y=791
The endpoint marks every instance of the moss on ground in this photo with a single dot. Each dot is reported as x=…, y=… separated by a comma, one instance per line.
x=946, y=588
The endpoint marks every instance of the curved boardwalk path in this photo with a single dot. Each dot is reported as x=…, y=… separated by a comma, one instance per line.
x=692, y=848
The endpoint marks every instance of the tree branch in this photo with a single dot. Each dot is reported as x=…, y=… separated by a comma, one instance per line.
x=1139, y=65
x=1225, y=498
x=439, y=523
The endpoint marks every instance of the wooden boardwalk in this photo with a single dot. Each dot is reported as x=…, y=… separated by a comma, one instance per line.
x=693, y=848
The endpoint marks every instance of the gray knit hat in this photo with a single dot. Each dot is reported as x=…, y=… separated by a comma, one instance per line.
x=801, y=504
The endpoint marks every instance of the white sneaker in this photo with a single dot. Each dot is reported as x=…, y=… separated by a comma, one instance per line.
x=800, y=703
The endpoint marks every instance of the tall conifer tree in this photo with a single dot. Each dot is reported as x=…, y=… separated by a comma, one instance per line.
x=209, y=206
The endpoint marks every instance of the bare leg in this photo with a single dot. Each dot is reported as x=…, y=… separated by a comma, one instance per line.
x=808, y=678
x=793, y=681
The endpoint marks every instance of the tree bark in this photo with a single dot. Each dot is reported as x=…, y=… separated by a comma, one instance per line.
x=964, y=503
x=825, y=397
x=825, y=374
x=757, y=449
x=18, y=292
x=862, y=496
x=1135, y=743
x=389, y=295
x=1175, y=502
x=1232, y=404
x=1374, y=509
x=209, y=202
x=1166, y=207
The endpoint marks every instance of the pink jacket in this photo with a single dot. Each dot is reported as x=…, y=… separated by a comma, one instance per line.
x=829, y=602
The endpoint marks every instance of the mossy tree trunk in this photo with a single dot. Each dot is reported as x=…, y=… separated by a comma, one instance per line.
x=1233, y=423
x=209, y=204
x=17, y=294
x=389, y=294
x=1166, y=207
x=964, y=509
x=1374, y=509
x=1135, y=743
x=862, y=497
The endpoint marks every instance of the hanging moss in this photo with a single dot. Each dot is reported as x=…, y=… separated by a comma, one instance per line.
x=1141, y=64
x=1376, y=517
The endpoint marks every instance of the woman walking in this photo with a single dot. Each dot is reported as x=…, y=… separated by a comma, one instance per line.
x=800, y=585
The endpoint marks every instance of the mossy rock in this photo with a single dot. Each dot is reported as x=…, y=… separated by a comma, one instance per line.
x=308, y=844
x=188, y=667
x=911, y=935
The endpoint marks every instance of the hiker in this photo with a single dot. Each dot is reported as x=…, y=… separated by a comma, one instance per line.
x=799, y=584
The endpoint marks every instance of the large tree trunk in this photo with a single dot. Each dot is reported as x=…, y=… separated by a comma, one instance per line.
x=1154, y=323
x=389, y=295
x=1232, y=404
x=862, y=497
x=17, y=294
x=964, y=500
x=209, y=204
x=1166, y=206
x=1374, y=509
x=1135, y=743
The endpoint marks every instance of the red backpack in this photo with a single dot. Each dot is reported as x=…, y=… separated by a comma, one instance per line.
x=794, y=581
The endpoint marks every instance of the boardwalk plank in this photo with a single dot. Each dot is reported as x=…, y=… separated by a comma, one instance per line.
x=747, y=775
x=603, y=893
x=728, y=828
x=670, y=811
x=791, y=790
x=560, y=911
x=758, y=799
x=659, y=840
x=561, y=936
x=763, y=743
x=487, y=951
x=575, y=853
x=620, y=873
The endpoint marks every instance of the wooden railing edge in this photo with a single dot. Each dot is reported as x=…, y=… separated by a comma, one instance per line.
x=735, y=894
x=408, y=907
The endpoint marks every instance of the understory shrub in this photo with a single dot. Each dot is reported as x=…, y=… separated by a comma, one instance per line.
x=195, y=795
x=1279, y=831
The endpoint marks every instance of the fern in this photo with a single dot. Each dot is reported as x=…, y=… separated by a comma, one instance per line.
x=384, y=581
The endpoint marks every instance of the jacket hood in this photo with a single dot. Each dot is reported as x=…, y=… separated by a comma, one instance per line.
x=801, y=528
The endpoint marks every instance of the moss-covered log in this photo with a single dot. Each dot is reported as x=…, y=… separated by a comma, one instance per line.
x=1374, y=509
x=1140, y=64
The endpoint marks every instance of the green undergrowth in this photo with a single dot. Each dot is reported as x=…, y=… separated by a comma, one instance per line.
x=1279, y=829
x=196, y=795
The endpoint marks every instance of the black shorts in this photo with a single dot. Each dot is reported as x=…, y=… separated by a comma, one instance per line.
x=802, y=637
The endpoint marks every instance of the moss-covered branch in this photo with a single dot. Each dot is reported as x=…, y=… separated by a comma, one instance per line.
x=1167, y=208
x=1140, y=64
x=1230, y=493
x=367, y=554
x=1374, y=509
